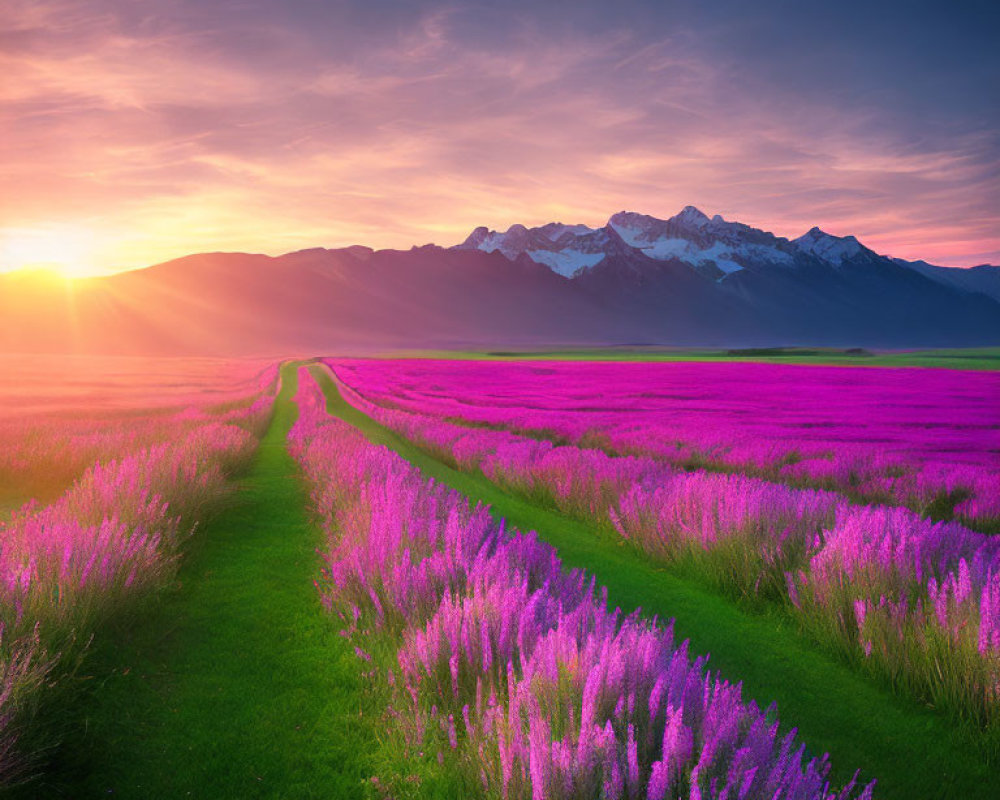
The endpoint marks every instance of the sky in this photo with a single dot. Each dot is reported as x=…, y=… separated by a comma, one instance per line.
x=133, y=131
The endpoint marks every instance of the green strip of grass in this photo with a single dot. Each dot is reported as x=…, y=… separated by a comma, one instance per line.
x=912, y=751
x=13, y=496
x=10, y=501
x=237, y=684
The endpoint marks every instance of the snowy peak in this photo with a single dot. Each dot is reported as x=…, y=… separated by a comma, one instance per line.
x=691, y=217
x=639, y=230
x=516, y=240
x=556, y=230
x=579, y=248
x=711, y=246
x=827, y=247
x=476, y=238
x=565, y=249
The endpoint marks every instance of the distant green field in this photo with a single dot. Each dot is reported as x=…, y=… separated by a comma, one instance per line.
x=980, y=358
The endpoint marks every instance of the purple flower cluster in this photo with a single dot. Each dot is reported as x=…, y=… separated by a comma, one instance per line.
x=919, y=599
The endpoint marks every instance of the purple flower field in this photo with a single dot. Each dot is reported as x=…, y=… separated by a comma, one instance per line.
x=904, y=597
x=470, y=656
x=509, y=667
x=131, y=484
x=924, y=438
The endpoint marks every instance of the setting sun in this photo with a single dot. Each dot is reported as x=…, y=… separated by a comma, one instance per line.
x=65, y=250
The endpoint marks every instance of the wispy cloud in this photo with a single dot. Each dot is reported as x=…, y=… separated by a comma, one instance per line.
x=165, y=136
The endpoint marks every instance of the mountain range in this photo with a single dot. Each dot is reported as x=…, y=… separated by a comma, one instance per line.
x=687, y=280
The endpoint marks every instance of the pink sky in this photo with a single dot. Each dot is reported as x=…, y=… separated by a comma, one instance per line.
x=128, y=141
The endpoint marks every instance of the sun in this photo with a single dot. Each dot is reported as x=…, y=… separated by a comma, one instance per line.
x=64, y=250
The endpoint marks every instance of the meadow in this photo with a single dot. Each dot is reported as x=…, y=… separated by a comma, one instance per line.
x=393, y=578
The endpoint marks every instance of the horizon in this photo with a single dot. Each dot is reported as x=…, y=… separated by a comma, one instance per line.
x=53, y=271
x=137, y=137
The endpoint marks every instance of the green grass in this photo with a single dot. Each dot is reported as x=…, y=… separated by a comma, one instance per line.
x=913, y=751
x=10, y=501
x=236, y=685
x=13, y=495
x=975, y=358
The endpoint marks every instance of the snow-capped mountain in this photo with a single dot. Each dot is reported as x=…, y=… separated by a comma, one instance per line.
x=829, y=248
x=707, y=244
x=693, y=272
x=714, y=247
x=565, y=249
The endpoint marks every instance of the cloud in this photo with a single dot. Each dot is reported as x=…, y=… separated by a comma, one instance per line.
x=180, y=133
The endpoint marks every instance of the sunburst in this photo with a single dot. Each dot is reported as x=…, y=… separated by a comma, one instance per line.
x=65, y=250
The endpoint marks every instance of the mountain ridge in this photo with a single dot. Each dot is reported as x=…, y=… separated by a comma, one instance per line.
x=691, y=280
x=661, y=239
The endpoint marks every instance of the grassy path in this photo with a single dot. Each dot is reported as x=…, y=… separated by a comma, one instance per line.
x=238, y=686
x=914, y=753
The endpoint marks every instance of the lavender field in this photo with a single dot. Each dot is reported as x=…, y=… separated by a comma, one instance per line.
x=858, y=503
x=927, y=439
x=521, y=580
x=513, y=668
x=850, y=496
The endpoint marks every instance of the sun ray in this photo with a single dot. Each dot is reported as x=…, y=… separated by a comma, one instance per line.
x=59, y=249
